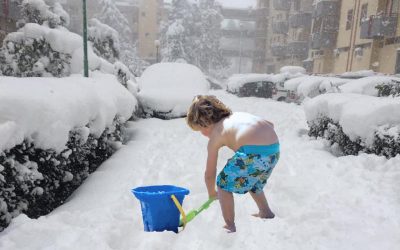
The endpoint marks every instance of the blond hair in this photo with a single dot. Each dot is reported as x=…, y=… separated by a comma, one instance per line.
x=206, y=110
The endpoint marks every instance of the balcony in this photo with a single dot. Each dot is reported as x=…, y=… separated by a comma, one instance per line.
x=326, y=8
x=323, y=40
x=300, y=20
x=279, y=50
x=283, y=5
x=298, y=48
x=11, y=11
x=379, y=26
x=280, y=27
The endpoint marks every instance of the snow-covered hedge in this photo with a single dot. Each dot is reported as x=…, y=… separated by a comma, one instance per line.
x=367, y=85
x=259, y=85
x=167, y=89
x=389, y=88
x=311, y=86
x=54, y=132
x=37, y=50
x=356, y=122
x=105, y=40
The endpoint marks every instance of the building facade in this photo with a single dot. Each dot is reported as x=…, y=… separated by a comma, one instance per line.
x=151, y=13
x=355, y=35
x=243, y=39
x=290, y=29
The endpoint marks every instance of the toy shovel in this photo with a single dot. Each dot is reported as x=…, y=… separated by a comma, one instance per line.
x=194, y=212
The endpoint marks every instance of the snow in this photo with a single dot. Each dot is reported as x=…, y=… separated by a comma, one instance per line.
x=171, y=87
x=359, y=115
x=45, y=110
x=236, y=81
x=238, y=4
x=366, y=85
x=360, y=73
x=310, y=86
x=321, y=201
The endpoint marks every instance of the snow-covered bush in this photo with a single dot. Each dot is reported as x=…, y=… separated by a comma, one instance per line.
x=389, y=88
x=355, y=123
x=48, y=12
x=367, y=85
x=259, y=85
x=167, y=89
x=54, y=133
x=105, y=40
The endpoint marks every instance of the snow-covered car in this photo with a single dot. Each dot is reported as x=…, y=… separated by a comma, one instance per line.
x=258, y=85
x=167, y=89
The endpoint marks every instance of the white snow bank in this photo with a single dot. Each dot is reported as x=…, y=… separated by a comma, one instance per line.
x=170, y=87
x=366, y=85
x=45, y=110
x=310, y=86
x=359, y=115
x=236, y=81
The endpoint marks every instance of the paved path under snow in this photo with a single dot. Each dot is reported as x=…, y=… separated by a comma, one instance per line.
x=321, y=201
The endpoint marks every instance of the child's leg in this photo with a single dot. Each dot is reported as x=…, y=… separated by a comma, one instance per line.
x=262, y=204
x=228, y=209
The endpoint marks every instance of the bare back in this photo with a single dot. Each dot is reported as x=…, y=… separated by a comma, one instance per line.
x=244, y=129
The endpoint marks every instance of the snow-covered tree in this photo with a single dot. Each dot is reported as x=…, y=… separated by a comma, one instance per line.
x=29, y=53
x=193, y=33
x=49, y=12
x=111, y=16
x=105, y=40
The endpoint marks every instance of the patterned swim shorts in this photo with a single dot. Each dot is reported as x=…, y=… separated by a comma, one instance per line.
x=249, y=169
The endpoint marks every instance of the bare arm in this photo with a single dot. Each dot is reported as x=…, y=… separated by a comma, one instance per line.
x=211, y=169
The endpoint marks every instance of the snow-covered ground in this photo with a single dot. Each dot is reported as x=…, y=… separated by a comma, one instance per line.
x=321, y=201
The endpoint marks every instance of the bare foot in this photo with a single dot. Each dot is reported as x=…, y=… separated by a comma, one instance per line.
x=264, y=215
x=230, y=229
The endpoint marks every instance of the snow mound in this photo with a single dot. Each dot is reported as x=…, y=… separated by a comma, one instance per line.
x=169, y=88
x=359, y=115
x=46, y=109
x=366, y=85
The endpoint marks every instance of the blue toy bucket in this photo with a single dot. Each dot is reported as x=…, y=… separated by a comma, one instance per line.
x=158, y=209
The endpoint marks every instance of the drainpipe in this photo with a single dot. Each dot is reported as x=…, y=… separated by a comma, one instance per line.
x=355, y=32
x=350, y=53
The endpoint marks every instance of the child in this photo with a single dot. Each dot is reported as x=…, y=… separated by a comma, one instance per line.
x=256, y=148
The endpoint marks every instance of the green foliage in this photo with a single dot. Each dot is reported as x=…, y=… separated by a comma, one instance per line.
x=389, y=89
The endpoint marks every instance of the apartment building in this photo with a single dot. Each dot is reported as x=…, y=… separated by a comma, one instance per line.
x=290, y=26
x=243, y=39
x=9, y=15
x=355, y=35
x=368, y=36
x=151, y=13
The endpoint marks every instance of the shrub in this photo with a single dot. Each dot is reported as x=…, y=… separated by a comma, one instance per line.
x=389, y=89
x=386, y=142
x=35, y=181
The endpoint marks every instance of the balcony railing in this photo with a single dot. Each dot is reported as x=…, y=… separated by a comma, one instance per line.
x=300, y=20
x=379, y=26
x=280, y=27
x=282, y=4
x=323, y=40
x=326, y=8
x=12, y=10
x=279, y=50
x=298, y=48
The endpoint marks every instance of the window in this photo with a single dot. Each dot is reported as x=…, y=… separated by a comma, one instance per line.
x=349, y=21
x=297, y=5
x=364, y=13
